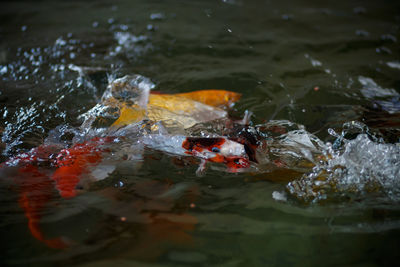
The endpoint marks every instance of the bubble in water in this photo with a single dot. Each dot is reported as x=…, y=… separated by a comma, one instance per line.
x=3, y=70
x=394, y=64
x=157, y=16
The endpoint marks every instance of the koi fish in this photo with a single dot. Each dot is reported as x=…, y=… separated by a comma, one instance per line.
x=207, y=149
x=154, y=205
x=36, y=183
x=128, y=100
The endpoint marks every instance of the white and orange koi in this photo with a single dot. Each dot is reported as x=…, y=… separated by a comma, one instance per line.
x=207, y=149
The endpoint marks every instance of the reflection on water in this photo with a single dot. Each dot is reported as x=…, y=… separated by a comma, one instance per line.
x=321, y=80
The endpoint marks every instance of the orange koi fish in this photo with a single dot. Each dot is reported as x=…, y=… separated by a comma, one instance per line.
x=36, y=184
x=154, y=203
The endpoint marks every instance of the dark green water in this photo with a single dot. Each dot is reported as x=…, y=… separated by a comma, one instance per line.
x=315, y=63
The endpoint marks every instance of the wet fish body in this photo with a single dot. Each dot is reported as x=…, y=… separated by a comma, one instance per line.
x=212, y=149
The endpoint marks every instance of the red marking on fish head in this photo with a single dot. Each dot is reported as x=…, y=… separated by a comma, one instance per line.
x=200, y=144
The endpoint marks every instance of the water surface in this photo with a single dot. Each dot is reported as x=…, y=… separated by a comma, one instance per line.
x=333, y=67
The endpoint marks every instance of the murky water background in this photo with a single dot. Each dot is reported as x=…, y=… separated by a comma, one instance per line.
x=332, y=67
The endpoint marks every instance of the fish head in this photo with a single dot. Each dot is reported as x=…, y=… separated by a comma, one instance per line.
x=219, y=150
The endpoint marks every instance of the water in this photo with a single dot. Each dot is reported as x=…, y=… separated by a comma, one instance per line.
x=321, y=80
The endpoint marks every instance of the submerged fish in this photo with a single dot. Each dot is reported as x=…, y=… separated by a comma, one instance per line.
x=46, y=168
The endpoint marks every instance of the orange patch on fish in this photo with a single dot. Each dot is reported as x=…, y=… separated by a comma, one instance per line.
x=73, y=162
x=129, y=115
x=215, y=98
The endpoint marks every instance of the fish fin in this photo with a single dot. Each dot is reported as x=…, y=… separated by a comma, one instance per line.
x=202, y=167
x=246, y=117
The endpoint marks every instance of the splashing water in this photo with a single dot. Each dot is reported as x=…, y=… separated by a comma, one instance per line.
x=44, y=79
x=131, y=45
x=352, y=169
